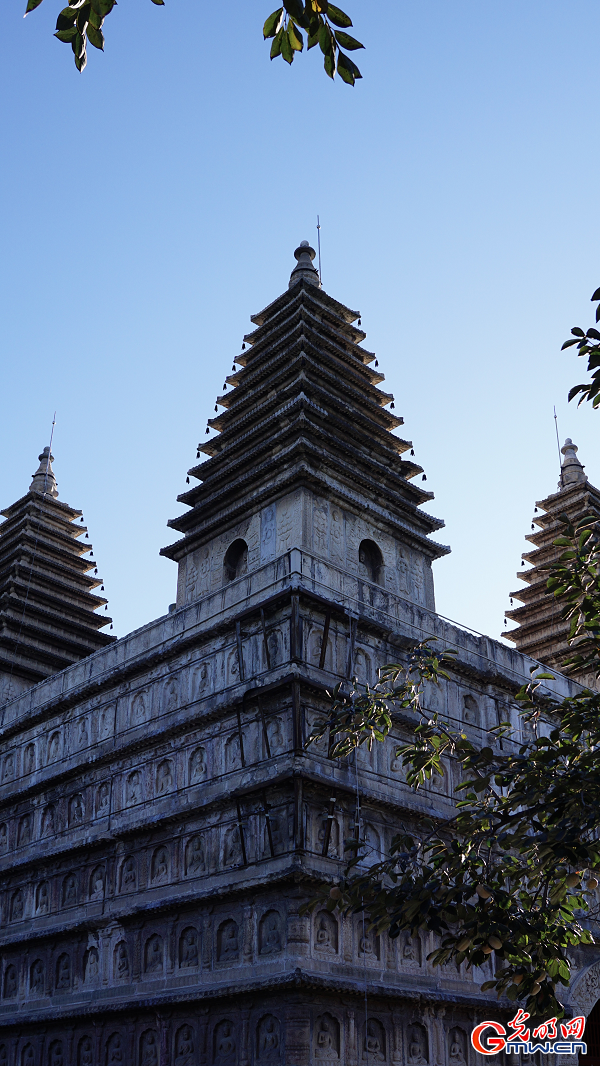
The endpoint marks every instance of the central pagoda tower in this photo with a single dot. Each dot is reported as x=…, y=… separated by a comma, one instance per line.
x=305, y=457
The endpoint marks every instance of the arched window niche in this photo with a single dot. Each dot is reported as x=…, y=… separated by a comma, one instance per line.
x=370, y=562
x=235, y=563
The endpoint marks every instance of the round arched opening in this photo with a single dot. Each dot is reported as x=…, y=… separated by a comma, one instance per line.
x=370, y=561
x=235, y=562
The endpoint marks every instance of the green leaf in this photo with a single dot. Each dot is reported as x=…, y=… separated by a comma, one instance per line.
x=596, y=296
x=66, y=19
x=31, y=5
x=347, y=41
x=295, y=8
x=325, y=40
x=329, y=64
x=295, y=37
x=273, y=24
x=95, y=37
x=276, y=46
x=340, y=18
x=66, y=35
x=159, y=3
x=312, y=41
x=348, y=68
x=287, y=51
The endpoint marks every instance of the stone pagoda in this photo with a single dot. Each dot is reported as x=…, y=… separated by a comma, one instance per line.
x=163, y=819
x=48, y=616
x=542, y=633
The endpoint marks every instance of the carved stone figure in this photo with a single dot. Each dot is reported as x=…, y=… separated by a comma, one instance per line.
x=171, y=697
x=184, y=1046
x=417, y=1046
x=159, y=873
x=275, y=735
x=102, y=798
x=269, y=933
x=106, y=721
x=374, y=1046
x=85, y=1054
x=76, y=811
x=3, y=837
x=133, y=788
x=200, y=680
x=195, y=862
x=128, y=880
x=149, y=1049
x=97, y=883
x=153, y=954
x=114, y=1050
x=188, y=948
x=232, y=849
x=69, y=891
x=164, y=777
x=3, y=1055
x=327, y=1038
x=268, y=1040
x=10, y=982
x=368, y=943
x=470, y=710
x=8, y=770
x=457, y=1047
x=29, y=759
x=54, y=747
x=63, y=972
x=37, y=980
x=139, y=714
x=48, y=821
x=42, y=898
x=228, y=942
x=197, y=766
x=55, y=1053
x=24, y=831
x=92, y=964
x=122, y=961
x=17, y=906
x=326, y=933
x=410, y=951
x=334, y=837
x=83, y=738
x=225, y=1044
x=233, y=758
x=28, y=1056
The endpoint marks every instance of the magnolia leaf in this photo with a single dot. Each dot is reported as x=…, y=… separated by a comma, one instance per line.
x=96, y=37
x=346, y=41
x=295, y=38
x=287, y=51
x=276, y=46
x=346, y=64
x=273, y=24
x=340, y=18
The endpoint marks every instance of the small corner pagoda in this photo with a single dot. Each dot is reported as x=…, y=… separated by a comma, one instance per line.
x=48, y=610
x=542, y=632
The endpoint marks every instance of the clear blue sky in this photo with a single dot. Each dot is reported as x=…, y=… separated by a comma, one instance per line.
x=151, y=204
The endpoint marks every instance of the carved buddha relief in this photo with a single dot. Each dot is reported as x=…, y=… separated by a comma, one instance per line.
x=153, y=954
x=159, y=867
x=76, y=810
x=128, y=875
x=270, y=938
x=139, y=709
x=149, y=1048
x=268, y=1040
x=457, y=1047
x=232, y=847
x=97, y=883
x=8, y=767
x=368, y=942
x=327, y=1038
x=170, y=695
x=37, y=978
x=3, y=837
x=409, y=950
x=233, y=758
x=225, y=1045
x=188, y=948
x=185, y=1046
x=48, y=821
x=275, y=733
x=197, y=766
x=417, y=1045
x=54, y=745
x=28, y=1056
x=374, y=1044
x=69, y=891
x=91, y=964
x=24, y=830
x=164, y=777
x=17, y=906
x=195, y=858
x=55, y=1053
x=63, y=972
x=102, y=799
x=11, y=983
x=121, y=961
x=133, y=788
x=228, y=949
x=42, y=898
x=326, y=934
x=114, y=1050
x=29, y=759
x=85, y=1053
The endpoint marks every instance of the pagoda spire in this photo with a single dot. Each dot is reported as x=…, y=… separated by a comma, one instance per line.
x=541, y=630
x=48, y=616
x=304, y=413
